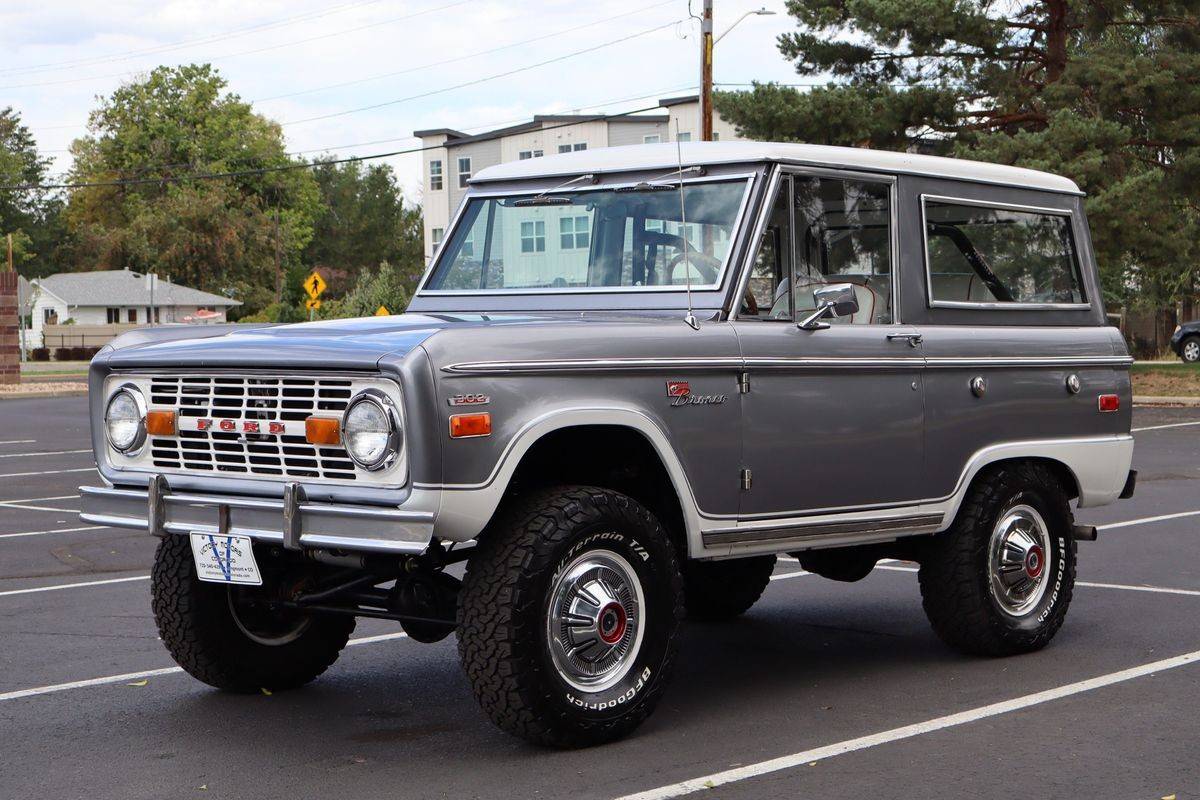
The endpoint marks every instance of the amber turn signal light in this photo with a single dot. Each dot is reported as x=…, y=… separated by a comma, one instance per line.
x=160, y=423
x=1110, y=402
x=464, y=425
x=323, y=430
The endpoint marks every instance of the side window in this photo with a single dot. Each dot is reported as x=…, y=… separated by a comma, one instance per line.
x=978, y=254
x=843, y=235
x=767, y=295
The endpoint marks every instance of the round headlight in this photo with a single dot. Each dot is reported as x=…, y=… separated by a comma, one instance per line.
x=371, y=430
x=125, y=420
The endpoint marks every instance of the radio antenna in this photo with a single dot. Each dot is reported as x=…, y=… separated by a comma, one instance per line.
x=690, y=319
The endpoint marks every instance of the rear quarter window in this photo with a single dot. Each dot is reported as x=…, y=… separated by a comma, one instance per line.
x=990, y=255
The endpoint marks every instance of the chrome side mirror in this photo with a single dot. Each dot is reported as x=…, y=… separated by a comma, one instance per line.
x=834, y=300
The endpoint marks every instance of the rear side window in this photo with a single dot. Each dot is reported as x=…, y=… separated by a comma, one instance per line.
x=1001, y=256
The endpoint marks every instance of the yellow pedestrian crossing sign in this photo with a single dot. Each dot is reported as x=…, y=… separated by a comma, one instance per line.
x=314, y=284
x=382, y=312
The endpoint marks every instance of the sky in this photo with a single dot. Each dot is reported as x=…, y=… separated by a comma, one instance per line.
x=355, y=77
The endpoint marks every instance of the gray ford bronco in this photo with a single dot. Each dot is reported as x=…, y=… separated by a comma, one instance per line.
x=631, y=379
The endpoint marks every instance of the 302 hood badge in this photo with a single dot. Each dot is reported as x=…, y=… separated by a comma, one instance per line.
x=469, y=400
x=680, y=393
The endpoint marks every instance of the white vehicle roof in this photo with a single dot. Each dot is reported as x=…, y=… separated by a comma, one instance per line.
x=634, y=158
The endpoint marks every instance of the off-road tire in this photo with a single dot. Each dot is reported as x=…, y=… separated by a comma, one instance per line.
x=954, y=574
x=716, y=590
x=199, y=630
x=503, y=638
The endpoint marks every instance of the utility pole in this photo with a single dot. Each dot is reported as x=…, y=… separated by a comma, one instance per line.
x=278, y=258
x=706, y=74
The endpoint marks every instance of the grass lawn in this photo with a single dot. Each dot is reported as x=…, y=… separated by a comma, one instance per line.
x=1166, y=379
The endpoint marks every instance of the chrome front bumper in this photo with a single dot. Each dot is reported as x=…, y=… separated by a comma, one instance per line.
x=291, y=522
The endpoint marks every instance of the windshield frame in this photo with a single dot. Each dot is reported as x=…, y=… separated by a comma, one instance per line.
x=537, y=188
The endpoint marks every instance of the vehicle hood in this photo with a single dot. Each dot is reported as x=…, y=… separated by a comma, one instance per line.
x=329, y=345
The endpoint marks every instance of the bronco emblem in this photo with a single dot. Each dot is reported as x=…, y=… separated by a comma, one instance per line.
x=680, y=393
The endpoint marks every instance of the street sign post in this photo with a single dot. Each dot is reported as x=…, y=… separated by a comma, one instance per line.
x=315, y=286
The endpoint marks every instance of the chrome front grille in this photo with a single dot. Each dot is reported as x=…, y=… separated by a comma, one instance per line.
x=262, y=399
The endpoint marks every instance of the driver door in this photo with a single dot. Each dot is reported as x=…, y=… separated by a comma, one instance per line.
x=833, y=419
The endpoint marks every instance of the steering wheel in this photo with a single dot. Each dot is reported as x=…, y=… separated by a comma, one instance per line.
x=706, y=265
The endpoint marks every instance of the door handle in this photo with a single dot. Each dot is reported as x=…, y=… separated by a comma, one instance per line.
x=913, y=339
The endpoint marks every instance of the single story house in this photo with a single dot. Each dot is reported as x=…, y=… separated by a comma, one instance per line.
x=119, y=298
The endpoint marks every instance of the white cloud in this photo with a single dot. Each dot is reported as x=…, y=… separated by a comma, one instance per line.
x=79, y=49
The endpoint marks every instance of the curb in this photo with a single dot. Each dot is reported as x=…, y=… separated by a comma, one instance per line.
x=26, y=395
x=1146, y=400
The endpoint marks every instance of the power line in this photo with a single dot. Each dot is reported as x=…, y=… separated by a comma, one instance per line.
x=501, y=123
x=251, y=52
x=183, y=43
x=406, y=71
x=282, y=167
x=484, y=79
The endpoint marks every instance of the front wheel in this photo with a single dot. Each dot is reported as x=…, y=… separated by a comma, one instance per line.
x=1000, y=580
x=231, y=637
x=568, y=617
x=1190, y=350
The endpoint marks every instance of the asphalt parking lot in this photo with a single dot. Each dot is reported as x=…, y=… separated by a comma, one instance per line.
x=822, y=690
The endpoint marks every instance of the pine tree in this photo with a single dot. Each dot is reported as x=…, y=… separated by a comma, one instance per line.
x=1106, y=92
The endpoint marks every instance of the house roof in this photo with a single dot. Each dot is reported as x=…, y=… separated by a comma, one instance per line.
x=122, y=287
x=539, y=122
x=640, y=157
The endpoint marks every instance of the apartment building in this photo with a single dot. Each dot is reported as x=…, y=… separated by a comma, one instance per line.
x=454, y=156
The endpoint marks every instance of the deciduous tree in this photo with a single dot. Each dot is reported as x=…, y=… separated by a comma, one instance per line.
x=154, y=138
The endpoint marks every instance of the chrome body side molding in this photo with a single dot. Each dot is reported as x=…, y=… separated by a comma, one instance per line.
x=736, y=363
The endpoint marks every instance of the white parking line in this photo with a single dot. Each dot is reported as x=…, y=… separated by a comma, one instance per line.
x=1161, y=427
x=909, y=731
x=47, y=472
x=1147, y=520
x=785, y=575
x=55, y=530
x=22, y=504
x=151, y=673
x=46, y=453
x=1128, y=587
x=74, y=585
x=40, y=508
x=20, y=441
x=39, y=499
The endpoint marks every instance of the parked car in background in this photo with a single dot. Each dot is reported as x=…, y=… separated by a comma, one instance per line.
x=1186, y=341
x=626, y=384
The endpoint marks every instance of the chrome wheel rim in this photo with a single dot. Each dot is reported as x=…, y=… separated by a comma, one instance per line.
x=1191, y=351
x=1017, y=560
x=270, y=630
x=595, y=622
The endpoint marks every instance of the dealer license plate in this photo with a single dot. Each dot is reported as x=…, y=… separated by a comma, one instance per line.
x=225, y=559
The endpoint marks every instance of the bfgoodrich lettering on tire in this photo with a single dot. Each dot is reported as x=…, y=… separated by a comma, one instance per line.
x=568, y=616
x=1000, y=580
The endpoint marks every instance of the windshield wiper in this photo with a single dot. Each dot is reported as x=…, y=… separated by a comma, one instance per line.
x=540, y=200
x=644, y=186
x=653, y=184
x=543, y=198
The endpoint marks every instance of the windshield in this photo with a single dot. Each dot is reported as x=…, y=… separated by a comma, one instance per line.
x=618, y=238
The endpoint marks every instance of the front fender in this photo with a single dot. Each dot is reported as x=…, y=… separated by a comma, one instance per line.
x=467, y=508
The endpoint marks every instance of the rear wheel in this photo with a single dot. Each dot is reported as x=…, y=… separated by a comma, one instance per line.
x=1000, y=580
x=724, y=589
x=568, y=616
x=229, y=636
